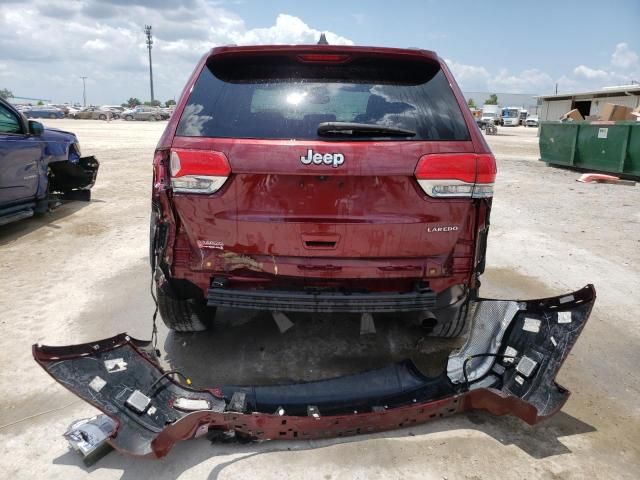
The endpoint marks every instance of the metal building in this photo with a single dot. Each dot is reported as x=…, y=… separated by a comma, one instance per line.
x=587, y=103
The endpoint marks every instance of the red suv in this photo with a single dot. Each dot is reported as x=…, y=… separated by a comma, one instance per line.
x=320, y=179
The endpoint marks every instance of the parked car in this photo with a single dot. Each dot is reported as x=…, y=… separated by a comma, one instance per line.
x=43, y=112
x=38, y=164
x=532, y=121
x=64, y=108
x=289, y=179
x=92, y=113
x=143, y=113
x=116, y=110
x=166, y=112
x=113, y=108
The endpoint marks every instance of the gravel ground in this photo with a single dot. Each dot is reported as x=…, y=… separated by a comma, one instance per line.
x=81, y=273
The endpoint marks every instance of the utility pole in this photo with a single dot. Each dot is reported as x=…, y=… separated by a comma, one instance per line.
x=84, y=92
x=147, y=31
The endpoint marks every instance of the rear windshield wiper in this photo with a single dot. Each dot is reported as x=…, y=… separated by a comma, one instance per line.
x=328, y=129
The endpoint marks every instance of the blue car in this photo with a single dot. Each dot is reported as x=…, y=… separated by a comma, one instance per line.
x=43, y=112
x=39, y=166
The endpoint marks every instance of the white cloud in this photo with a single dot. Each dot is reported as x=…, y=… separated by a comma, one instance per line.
x=4, y=71
x=590, y=73
x=106, y=42
x=287, y=30
x=95, y=45
x=623, y=56
x=474, y=77
x=468, y=73
x=528, y=81
x=624, y=67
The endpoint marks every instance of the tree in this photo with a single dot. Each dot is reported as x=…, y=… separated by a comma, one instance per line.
x=155, y=103
x=492, y=100
x=4, y=93
x=40, y=102
x=471, y=103
x=133, y=102
x=168, y=103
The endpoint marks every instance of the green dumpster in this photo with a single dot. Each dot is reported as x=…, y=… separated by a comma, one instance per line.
x=612, y=147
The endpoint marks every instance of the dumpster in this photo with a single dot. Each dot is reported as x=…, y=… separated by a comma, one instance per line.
x=612, y=147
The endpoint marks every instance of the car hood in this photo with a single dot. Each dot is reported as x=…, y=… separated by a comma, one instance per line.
x=57, y=135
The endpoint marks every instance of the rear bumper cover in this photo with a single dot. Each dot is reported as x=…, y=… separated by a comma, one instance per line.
x=536, y=336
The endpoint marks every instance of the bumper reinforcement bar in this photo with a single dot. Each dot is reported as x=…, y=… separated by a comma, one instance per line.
x=285, y=301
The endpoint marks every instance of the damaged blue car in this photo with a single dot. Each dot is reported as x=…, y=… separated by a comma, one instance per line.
x=39, y=167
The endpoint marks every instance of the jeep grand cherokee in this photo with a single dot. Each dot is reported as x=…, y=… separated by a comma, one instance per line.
x=320, y=179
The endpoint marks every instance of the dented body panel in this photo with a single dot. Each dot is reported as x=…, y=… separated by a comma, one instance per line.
x=38, y=167
x=510, y=370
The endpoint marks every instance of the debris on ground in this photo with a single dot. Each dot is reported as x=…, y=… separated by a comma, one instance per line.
x=602, y=178
x=89, y=437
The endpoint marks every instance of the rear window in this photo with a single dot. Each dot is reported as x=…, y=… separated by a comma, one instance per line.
x=281, y=98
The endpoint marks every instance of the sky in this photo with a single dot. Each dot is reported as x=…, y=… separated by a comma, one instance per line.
x=514, y=47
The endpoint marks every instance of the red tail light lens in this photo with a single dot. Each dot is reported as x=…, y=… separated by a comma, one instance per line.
x=198, y=171
x=457, y=175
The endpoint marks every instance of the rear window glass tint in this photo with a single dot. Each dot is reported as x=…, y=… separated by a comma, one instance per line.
x=280, y=98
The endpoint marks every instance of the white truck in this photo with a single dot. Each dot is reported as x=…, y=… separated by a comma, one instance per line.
x=491, y=113
x=513, y=116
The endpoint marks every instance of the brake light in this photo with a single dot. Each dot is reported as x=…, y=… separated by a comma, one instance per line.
x=457, y=175
x=198, y=171
x=323, y=57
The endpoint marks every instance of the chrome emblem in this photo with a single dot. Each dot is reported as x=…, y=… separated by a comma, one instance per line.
x=335, y=159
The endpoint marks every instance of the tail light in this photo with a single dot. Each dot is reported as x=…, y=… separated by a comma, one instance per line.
x=457, y=175
x=198, y=171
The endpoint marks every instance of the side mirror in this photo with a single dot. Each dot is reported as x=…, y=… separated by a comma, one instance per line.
x=35, y=128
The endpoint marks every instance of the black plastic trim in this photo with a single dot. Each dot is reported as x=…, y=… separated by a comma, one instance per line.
x=290, y=301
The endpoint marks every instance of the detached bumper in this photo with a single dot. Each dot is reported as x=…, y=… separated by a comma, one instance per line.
x=507, y=366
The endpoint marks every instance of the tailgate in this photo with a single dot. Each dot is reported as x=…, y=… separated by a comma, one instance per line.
x=369, y=207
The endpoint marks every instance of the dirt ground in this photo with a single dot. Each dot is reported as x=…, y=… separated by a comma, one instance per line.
x=81, y=273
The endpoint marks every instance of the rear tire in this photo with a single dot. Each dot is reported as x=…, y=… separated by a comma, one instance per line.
x=189, y=315
x=128, y=118
x=53, y=115
x=102, y=116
